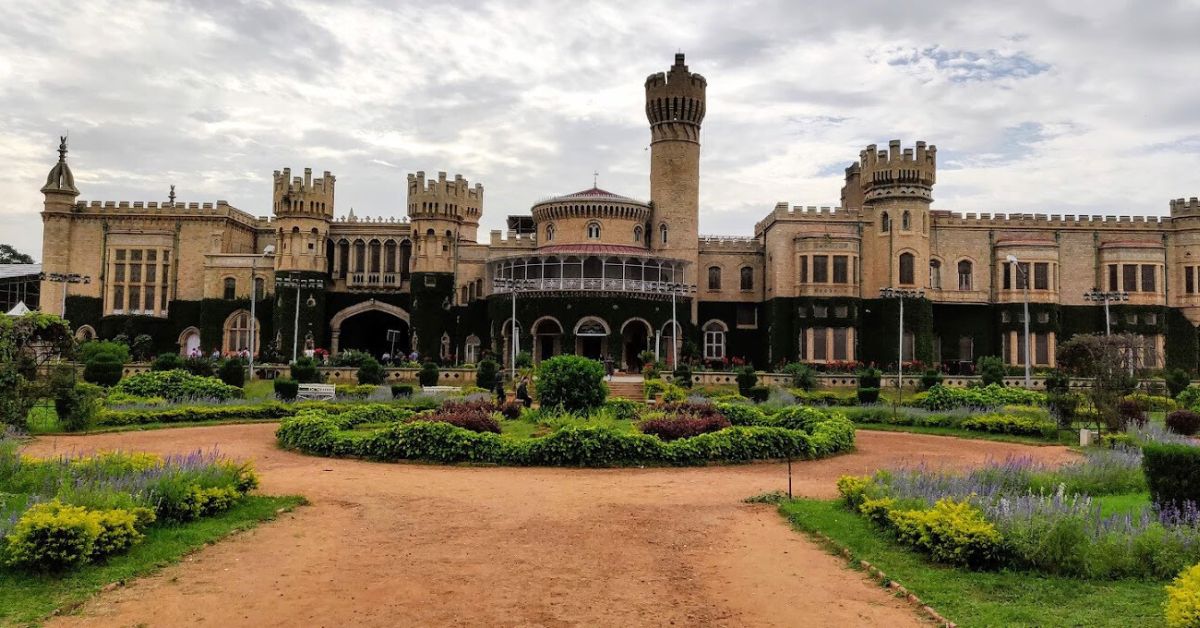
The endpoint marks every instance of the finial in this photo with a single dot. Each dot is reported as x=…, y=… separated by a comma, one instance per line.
x=595, y=175
x=171, y=196
x=62, y=148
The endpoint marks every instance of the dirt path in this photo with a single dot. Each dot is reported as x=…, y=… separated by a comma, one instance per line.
x=419, y=545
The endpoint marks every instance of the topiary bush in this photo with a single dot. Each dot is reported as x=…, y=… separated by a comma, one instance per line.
x=870, y=377
x=167, y=362
x=233, y=372
x=429, y=374
x=487, y=373
x=930, y=378
x=868, y=395
x=682, y=375
x=1173, y=474
x=803, y=377
x=746, y=379
x=304, y=370
x=572, y=382
x=286, y=389
x=991, y=370
x=104, y=369
x=370, y=371
x=1184, y=422
x=1177, y=380
x=758, y=394
x=402, y=391
x=89, y=350
x=142, y=347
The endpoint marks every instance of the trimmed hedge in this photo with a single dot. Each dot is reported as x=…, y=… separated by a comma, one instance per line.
x=321, y=434
x=1173, y=474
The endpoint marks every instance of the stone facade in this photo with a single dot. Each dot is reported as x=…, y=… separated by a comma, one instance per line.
x=605, y=275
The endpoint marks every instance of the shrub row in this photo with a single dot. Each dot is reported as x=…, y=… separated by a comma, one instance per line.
x=322, y=434
x=177, y=386
x=942, y=397
x=1016, y=424
x=1173, y=474
x=53, y=536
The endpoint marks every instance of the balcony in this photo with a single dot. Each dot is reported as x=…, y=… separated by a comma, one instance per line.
x=621, y=274
x=597, y=284
x=376, y=281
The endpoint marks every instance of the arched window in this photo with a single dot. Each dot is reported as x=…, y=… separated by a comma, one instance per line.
x=662, y=233
x=747, y=278
x=478, y=288
x=714, y=340
x=260, y=288
x=714, y=278
x=389, y=256
x=471, y=349
x=237, y=332
x=885, y=222
x=907, y=261
x=906, y=220
x=375, y=253
x=360, y=256
x=593, y=231
x=637, y=234
x=935, y=274
x=549, y=233
x=230, y=288
x=964, y=275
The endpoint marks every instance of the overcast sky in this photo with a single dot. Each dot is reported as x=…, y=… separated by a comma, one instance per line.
x=1059, y=106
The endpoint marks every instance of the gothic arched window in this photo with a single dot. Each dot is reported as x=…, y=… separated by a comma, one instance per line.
x=885, y=222
x=907, y=261
x=714, y=277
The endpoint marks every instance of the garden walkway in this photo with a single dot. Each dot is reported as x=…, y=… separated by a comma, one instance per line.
x=406, y=544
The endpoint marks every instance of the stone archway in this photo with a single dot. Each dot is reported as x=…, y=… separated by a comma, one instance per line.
x=335, y=324
x=189, y=339
x=636, y=337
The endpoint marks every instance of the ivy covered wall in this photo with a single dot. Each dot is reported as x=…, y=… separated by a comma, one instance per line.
x=313, y=317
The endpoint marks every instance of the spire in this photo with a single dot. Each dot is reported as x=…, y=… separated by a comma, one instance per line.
x=171, y=196
x=60, y=178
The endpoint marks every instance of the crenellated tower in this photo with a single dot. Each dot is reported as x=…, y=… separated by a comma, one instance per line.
x=675, y=102
x=60, y=194
x=303, y=207
x=444, y=212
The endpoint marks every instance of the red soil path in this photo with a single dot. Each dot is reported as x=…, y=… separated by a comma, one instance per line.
x=419, y=545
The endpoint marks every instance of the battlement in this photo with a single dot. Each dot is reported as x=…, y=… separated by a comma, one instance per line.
x=1185, y=207
x=897, y=172
x=455, y=198
x=220, y=209
x=675, y=97
x=303, y=195
x=944, y=218
x=743, y=244
x=512, y=238
x=783, y=211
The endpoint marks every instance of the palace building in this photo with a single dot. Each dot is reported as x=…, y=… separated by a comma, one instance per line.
x=600, y=274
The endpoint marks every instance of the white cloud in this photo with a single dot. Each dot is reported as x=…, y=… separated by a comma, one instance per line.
x=1035, y=106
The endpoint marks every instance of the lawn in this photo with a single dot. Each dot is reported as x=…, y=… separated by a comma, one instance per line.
x=1064, y=437
x=26, y=598
x=983, y=598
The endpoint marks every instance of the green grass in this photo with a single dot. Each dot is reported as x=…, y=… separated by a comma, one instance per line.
x=1064, y=438
x=521, y=428
x=975, y=598
x=1131, y=503
x=260, y=390
x=28, y=598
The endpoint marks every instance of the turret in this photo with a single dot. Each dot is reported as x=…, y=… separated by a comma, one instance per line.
x=894, y=189
x=60, y=194
x=1185, y=207
x=675, y=104
x=444, y=212
x=896, y=174
x=303, y=207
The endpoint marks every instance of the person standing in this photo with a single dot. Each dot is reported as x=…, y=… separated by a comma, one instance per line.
x=523, y=392
x=501, y=397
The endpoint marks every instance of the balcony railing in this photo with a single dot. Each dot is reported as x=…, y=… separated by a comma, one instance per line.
x=504, y=286
x=375, y=280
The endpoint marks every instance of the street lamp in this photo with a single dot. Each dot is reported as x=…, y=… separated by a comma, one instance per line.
x=901, y=294
x=1096, y=295
x=1012, y=259
x=268, y=250
x=293, y=282
x=65, y=279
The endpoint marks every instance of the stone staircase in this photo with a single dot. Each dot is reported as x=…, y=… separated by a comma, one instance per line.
x=627, y=387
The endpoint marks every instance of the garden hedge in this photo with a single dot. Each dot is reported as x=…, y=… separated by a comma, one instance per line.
x=1173, y=473
x=322, y=434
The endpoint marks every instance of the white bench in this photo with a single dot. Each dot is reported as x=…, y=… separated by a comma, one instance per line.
x=441, y=390
x=316, y=392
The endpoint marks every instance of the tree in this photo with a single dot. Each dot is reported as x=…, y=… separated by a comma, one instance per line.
x=27, y=344
x=572, y=382
x=10, y=255
x=1108, y=361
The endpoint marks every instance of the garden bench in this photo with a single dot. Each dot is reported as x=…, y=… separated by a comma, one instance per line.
x=442, y=390
x=316, y=392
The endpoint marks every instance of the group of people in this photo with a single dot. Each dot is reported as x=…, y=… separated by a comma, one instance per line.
x=387, y=359
x=522, y=392
x=216, y=354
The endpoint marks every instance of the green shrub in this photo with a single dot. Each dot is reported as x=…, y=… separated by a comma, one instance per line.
x=524, y=360
x=52, y=537
x=304, y=371
x=429, y=374
x=682, y=375
x=800, y=418
x=654, y=387
x=487, y=373
x=991, y=370
x=195, y=413
x=371, y=372
x=402, y=391
x=1183, y=600
x=89, y=350
x=77, y=406
x=233, y=372
x=1152, y=403
x=286, y=389
x=1184, y=422
x=357, y=392
x=745, y=414
x=1189, y=397
x=930, y=378
x=746, y=379
x=623, y=409
x=758, y=394
x=1172, y=473
x=200, y=366
x=351, y=357
x=141, y=347
x=868, y=395
x=572, y=382
x=1011, y=424
x=803, y=377
x=943, y=397
x=1177, y=380
x=167, y=362
x=104, y=369
x=951, y=532
x=1058, y=382
x=177, y=386
x=870, y=377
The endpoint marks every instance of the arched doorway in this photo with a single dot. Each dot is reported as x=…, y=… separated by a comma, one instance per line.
x=670, y=343
x=591, y=338
x=189, y=342
x=369, y=330
x=635, y=338
x=86, y=333
x=547, y=338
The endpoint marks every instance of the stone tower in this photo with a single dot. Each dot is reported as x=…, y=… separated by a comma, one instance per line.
x=675, y=104
x=894, y=189
x=303, y=207
x=443, y=213
x=60, y=193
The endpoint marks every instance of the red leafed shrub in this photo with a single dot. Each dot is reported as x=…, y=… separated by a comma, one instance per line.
x=683, y=426
x=704, y=410
x=511, y=409
x=1184, y=422
x=1132, y=412
x=470, y=415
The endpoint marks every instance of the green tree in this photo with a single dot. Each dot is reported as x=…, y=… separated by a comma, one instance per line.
x=370, y=371
x=1108, y=361
x=991, y=370
x=572, y=382
x=10, y=255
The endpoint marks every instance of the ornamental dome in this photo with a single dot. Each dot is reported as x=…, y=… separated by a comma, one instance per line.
x=592, y=216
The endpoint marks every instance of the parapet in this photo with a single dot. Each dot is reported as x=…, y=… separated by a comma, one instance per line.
x=174, y=210
x=898, y=173
x=303, y=195
x=730, y=243
x=676, y=96
x=1185, y=207
x=945, y=218
x=442, y=197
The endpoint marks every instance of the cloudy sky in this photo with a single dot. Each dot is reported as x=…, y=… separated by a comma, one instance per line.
x=1058, y=106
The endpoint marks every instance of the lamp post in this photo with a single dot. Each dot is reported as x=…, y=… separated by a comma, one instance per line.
x=65, y=279
x=268, y=250
x=298, y=284
x=1012, y=259
x=901, y=294
x=1096, y=295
